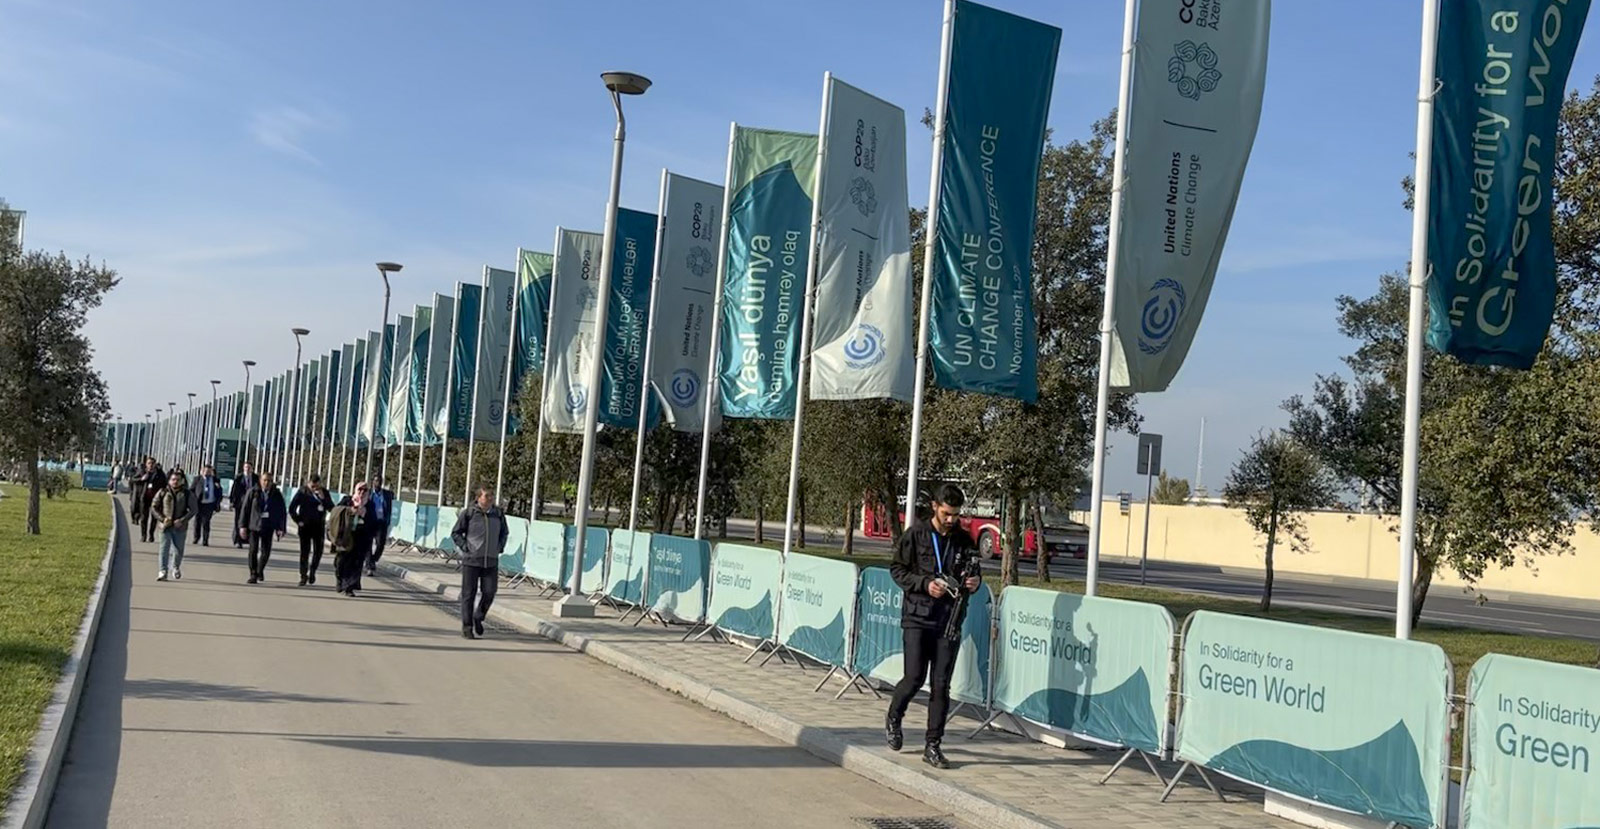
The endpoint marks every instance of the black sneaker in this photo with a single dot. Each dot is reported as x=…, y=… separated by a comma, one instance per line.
x=302, y=581
x=252, y=579
x=311, y=579
x=477, y=626
x=934, y=756
x=466, y=633
x=892, y=734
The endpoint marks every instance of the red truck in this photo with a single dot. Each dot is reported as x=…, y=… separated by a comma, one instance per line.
x=981, y=518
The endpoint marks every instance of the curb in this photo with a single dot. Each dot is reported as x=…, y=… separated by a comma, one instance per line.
x=913, y=783
x=30, y=801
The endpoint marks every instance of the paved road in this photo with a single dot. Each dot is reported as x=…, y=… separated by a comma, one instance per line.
x=213, y=703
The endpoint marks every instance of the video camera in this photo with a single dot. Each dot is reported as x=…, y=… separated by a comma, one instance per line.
x=955, y=586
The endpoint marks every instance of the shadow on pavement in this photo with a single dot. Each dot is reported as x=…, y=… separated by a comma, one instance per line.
x=512, y=644
x=189, y=690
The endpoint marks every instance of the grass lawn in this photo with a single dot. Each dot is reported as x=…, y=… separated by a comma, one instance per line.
x=45, y=581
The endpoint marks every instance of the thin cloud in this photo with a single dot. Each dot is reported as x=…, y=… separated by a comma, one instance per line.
x=287, y=130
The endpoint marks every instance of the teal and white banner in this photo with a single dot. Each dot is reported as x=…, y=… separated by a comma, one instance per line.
x=436, y=398
x=514, y=556
x=464, y=359
x=535, y=273
x=494, y=352
x=1502, y=69
x=399, y=382
x=360, y=368
x=744, y=588
x=346, y=391
x=574, y=299
x=336, y=381
x=1097, y=668
x=686, y=268
x=256, y=415
x=880, y=641
x=385, y=376
x=861, y=331
x=329, y=364
x=970, y=683
x=1532, y=736
x=372, y=399
x=627, y=317
x=592, y=580
x=1197, y=85
x=772, y=175
x=1355, y=721
x=544, y=557
x=679, y=570
x=817, y=616
x=416, y=371
x=630, y=556
x=982, y=332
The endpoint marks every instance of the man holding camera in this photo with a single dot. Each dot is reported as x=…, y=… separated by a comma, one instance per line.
x=936, y=564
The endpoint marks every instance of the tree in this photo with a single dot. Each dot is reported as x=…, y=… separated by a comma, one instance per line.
x=51, y=397
x=1171, y=491
x=1275, y=483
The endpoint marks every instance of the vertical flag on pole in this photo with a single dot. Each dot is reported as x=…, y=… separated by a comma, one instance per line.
x=399, y=397
x=627, y=317
x=861, y=322
x=493, y=350
x=417, y=371
x=339, y=379
x=1502, y=69
x=1197, y=84
x=573, y=298
x=688, y=275
x=358, y=382
x=464, y=357
x=435, y=419
x=769, y=233
x=982, y=330
x=535, y=272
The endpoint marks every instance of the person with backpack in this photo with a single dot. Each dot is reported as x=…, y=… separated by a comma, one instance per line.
x=170, y=511
x=309, y=511
x=261, y=513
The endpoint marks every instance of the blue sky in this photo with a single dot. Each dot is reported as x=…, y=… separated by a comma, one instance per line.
x=243, y=165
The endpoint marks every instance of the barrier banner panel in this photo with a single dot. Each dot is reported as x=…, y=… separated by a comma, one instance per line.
x=446, y=524
x=1531, y=737
x=594, y=557
x=1350, y=720
x=1098, y=668
x=679, y=569
x=96, y=477
x=970, y=683
x=817, y=614
x=544, y=557
x=406, y=530
x=630, y=552
x=514, y=556
x=879, y=643
x=743, y=583
x=427, y=520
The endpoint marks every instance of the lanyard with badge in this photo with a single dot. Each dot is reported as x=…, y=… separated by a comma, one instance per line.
x=938, y=555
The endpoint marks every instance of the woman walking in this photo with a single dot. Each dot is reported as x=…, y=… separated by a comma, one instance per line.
x=352, y=530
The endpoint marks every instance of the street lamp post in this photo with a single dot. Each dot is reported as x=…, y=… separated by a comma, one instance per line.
x=618, y=84
x=375, y=371
x=249, y=413
x=293, y=444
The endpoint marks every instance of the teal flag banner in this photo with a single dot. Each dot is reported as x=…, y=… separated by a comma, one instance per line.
x=1502, y=69
x=463, y=359
x=686, y=274
x=514, y=557
x=385, y=378
x=817, y=616
x=436, y=396
x=1199, y=76
x=398, y=400
x=592, y=579
x=545, y=554
x=772, y=175
x=494, y=352
x=574, y=321
x=358, y=380
x=679, y=571
x=744, y=587
x=627, y=317
x=535, y=273
x=1096, y=668
x=982, y=335
x=1533, y=733
x=630, y=556
x=416, y=371
x=340, y=406
x=1351, y=720
x=880, y=646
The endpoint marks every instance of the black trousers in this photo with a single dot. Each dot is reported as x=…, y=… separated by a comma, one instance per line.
x=147, y=524
x=379, y=540
x=475, y=582
x=260, y=551
x=926, y=650
x=311, y=538
x=202, y=523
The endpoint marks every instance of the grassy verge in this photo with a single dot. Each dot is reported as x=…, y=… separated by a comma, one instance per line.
x=45, y=581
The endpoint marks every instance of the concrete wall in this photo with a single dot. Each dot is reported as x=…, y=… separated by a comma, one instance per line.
x=1342, y=545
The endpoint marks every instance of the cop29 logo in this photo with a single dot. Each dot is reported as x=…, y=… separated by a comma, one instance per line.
x=577, y=399
x=684, y=388
x=863, y=195
x=1193, y=69
x=865, y=349
x=699, y=261
x=1160, y=316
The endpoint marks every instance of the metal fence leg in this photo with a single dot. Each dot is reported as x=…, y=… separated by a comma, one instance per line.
x=832, y=669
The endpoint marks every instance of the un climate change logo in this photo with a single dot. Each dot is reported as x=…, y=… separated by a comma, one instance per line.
x=684, y=388
x=1160, y=317
x=865, y=349
x=1181, y=69
x=864, y=196
x=699, y=261
x=577, y=399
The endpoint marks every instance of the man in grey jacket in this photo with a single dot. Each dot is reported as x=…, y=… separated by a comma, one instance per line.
x=480, y=536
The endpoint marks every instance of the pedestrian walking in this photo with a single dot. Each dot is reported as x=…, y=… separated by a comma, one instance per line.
x=382, y=505
x=171, y=510
x=261, y=514
x=936, y=564
x=207, y=491
x=309, y=512
x=242, y=484
x=360, y=523
x=480, y=536
x=149, y=483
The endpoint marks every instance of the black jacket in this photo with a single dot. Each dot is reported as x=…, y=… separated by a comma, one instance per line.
x=199, y=490
x=256, y=502
x=310, y=510
x=480, y=535
x=149, y=483
x=241, y=487
x=915, y=565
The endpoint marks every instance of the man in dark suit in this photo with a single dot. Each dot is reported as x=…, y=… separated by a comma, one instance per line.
x=261, y=514
x=207, y=491
x=383, y=504
x=146, y=487
x=242, y=485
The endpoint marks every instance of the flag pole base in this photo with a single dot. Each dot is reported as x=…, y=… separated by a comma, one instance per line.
x=573, y=607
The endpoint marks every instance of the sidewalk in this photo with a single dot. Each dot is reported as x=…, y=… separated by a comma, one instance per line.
x=998, y=779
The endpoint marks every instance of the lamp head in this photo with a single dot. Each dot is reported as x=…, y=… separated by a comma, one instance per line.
x=300, y=332
x=216, y=382
x=625, y=83
x=249, y=363
x=191, y=395
x=389, y=267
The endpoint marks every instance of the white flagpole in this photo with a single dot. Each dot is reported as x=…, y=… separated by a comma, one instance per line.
x=335, y=481
x=649, y=357
x=712, y=385
x=358, y=399
x=1102, y=404
x=477, y=369
x=511, y=361
x=931, y=234
x=807, y=301
x=1426, y=88
x=536, y=505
